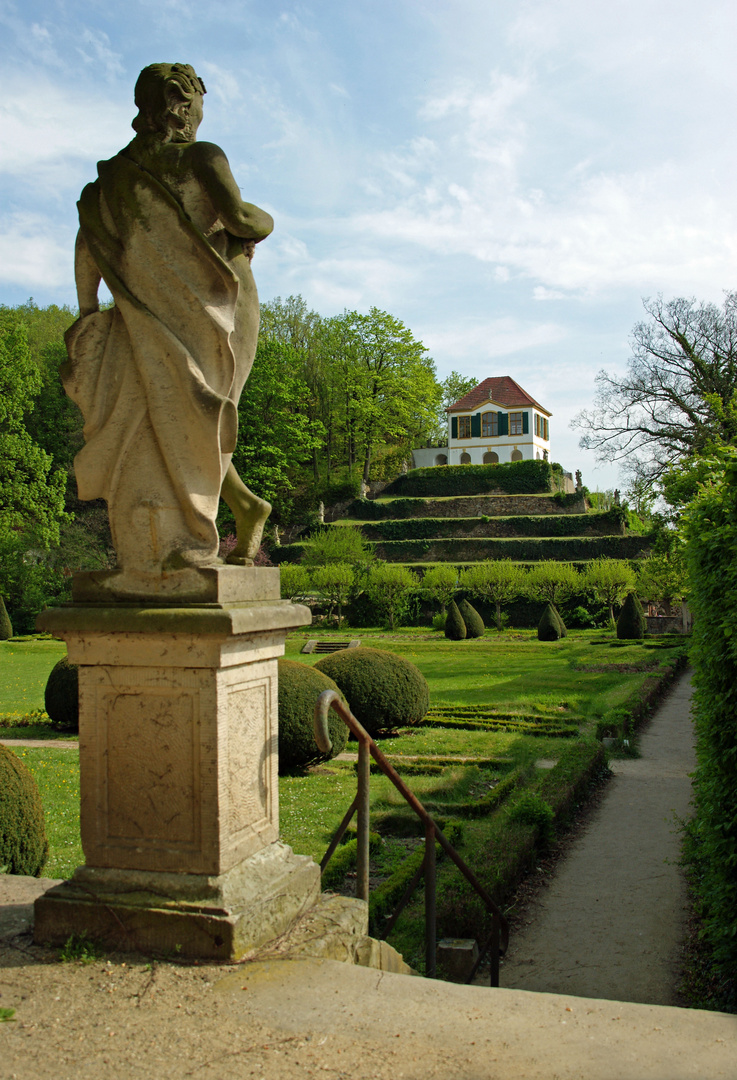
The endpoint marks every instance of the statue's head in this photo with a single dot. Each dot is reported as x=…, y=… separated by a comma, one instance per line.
x=169, y=100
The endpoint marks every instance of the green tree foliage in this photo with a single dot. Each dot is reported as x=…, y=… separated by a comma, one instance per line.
x=336, y=582
x=662, y=577
x=439, y=583
x=390, y=588
x=473, y=621
x=495, y=581
x=294, y=580
x=711, y=556
x=609, y=580
x=455, y=627
x=6, y=627
x=678, y=397
x=276, y=436
x=339, y=544
x=631, y=622
x=551, y=581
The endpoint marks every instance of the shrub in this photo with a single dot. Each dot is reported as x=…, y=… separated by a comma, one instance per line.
x=561, y=624
x=496, y=582
x=514, y=478
x=335, y=581
x=61, y=698
x=548, y=629
x=631, y=622
x=609, y=580
x=440, y=583
x=390, y=588
x=336, y=544
x=438, y=621
x=23, y=844
x=455, y=627
x=474, y=623
x=294, y=580
x=299, y=688
x=531, y=809
x=6, y=627
x=383, y=690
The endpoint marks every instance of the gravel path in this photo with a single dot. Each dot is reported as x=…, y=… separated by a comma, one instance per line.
x=611, y=922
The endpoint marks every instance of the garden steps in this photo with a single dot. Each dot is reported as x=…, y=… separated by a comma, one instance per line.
x=313, y=646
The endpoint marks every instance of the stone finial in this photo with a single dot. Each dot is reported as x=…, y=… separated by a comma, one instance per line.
x=364, y=489
x=579, y=483
x=321, y=512
x=616, y=497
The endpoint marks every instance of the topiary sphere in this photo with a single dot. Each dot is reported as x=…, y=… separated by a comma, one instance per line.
x=61, y=699
x=631, y=622
x=549, y=627
x=23, y=844
x=473, y=621
x=455, y=628
x=299, y=688
x=383, y=690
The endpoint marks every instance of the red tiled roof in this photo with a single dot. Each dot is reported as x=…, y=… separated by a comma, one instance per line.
x=502, y=391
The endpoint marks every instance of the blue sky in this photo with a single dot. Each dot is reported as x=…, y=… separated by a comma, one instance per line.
x=508, y=178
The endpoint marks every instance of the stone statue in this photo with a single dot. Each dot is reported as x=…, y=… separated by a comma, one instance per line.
x=579, y=481
x=158, y=376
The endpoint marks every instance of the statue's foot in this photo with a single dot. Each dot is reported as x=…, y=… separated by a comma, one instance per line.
x=249, y=527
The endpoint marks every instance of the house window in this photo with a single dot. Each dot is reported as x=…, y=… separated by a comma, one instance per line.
x=489, y=425
x=546, y=430
x=541, y=427
x=464, y=427
x=515, y=423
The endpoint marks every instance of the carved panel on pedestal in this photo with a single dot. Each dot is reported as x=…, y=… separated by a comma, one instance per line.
x=248, y=756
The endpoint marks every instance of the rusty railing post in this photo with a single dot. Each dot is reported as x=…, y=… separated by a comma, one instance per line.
x=494, y=953
x=430, y=909
x=362, y=824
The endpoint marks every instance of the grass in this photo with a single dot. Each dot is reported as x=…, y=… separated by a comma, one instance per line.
x=582, y=678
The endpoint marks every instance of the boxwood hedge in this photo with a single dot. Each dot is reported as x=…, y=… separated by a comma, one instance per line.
x=514, y=478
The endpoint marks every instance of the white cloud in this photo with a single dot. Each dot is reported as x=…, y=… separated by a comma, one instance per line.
x=35, y=254
x=97, y=52
x=475, y=342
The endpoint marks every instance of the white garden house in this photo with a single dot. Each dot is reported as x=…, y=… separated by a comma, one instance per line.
x=495, y=422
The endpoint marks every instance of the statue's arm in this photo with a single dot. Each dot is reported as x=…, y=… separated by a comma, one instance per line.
x=87, y=277
x=238, y=217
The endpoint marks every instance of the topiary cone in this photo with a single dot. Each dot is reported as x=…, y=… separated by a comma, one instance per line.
x=631, y=623
x=6, y=627
x=561, y=624
x=61, y=697
x=23, y=844
x=548, y=629
x=455, y=627
x=473, y=621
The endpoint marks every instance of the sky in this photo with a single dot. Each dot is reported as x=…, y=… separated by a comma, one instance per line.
x=508, y=178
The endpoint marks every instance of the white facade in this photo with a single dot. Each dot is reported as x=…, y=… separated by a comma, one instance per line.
x=491, y=434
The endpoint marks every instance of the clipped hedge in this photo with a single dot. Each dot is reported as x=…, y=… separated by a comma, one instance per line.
x=6, y=627
x=564, y=549
x=384, y=691
x=631, y=622
x=61, y=697
x=24, y=848
x=474, y=623
x=455, y=624
x=549, y=627
x=299, y=688
x=603, y=523
x=514, y=478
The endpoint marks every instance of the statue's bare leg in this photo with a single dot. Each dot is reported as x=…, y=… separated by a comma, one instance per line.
x=250, y=515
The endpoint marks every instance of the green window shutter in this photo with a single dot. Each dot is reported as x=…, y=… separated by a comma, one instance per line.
x=454, y=427
x=503, y=424
x=525, y=423
x=476, y=426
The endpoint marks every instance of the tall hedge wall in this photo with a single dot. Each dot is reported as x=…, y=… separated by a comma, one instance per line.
x=518, y=550
x=467, y=506
x=514, y=477
x=605, y=523
x=711, y=555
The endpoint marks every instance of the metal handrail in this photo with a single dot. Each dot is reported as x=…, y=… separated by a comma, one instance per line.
x=498, y=940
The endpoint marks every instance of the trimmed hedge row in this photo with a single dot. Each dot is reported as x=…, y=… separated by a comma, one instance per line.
x=519, y=550
x=601, y=523
x=467, y=506
x=502, y=858
x=384, y=899
x=514, y=478
x=484, y=806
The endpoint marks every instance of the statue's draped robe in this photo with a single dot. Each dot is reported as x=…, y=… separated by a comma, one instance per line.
x=159, y=375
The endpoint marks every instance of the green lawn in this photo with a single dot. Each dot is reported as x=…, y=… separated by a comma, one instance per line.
x=24, y=669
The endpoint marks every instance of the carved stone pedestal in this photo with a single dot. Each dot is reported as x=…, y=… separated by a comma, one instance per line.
x=178, y=759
